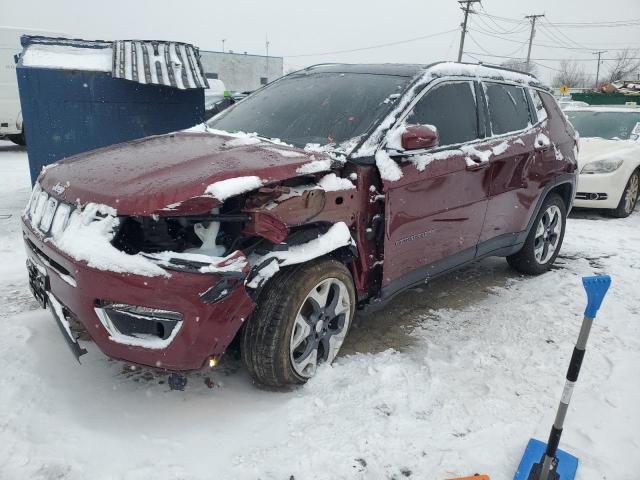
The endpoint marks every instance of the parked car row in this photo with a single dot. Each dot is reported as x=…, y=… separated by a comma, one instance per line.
x=354, y=183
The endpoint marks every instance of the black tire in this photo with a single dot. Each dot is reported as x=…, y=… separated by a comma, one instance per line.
x=266, y=335
x=525, y=260
x=18, y=139
x=625, y=209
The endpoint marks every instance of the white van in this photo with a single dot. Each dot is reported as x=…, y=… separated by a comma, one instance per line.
x=10, y=112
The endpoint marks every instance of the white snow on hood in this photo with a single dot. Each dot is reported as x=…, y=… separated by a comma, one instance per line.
x=594, y=149
x=88, y=238
x=233, y=186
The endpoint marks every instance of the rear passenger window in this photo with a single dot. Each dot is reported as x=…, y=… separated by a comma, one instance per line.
x=508, y=108
x=451, y=108
x=541, y=113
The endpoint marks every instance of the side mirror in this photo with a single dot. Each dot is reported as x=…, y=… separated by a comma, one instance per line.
x=416, y=137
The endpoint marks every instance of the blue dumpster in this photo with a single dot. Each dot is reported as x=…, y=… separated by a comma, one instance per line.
x=77, y=96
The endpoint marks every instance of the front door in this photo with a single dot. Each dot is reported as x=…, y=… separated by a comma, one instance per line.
x=435, y=211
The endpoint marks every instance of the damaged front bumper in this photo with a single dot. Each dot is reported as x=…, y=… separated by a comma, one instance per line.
x=175, y=322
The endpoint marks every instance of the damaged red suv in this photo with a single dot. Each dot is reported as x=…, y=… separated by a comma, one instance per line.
x=329, y=190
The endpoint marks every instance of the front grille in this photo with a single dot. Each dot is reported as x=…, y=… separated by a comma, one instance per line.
x=47, y=214
x=591, y=196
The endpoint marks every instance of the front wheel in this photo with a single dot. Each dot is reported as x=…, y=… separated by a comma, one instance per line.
x=629, y=198
x=301, y=320
x=544, y=240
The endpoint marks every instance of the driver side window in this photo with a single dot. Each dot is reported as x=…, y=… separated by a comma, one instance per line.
x=451, y=108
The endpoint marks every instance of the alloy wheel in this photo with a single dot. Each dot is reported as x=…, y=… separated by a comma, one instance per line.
x=547, y=234
x=631, y=195
x=320, y=326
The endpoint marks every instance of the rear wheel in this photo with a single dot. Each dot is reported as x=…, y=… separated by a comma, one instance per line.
x=629, y=198
x=301, y=320
x=544, y=240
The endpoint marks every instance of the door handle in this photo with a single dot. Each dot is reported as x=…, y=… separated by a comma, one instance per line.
x=477, y=166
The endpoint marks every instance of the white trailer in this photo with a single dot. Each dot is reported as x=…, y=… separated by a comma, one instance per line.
x=10, y=112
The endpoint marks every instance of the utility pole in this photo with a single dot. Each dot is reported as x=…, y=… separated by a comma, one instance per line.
x=266, y=44
x=466, y=8
x=223, y=40
x=598, y=68
x=533, y=19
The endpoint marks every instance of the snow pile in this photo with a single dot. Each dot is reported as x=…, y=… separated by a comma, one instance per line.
x=234, y=262
x=394, y=137
x=500, y=148
x=233, y=186
x=243, y=141
x=88, y=238
x=332, y=183
x=67, y=57
x=208, y=236
x=421, y=161
x=557, y=153
x=482, y=156
x=542, y=140
x=264, y=274
x=388, y=168
x=459, y=69
x=337, y=236
x=315, y=166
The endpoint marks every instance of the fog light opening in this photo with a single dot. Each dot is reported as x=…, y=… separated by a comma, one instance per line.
x=213, y=361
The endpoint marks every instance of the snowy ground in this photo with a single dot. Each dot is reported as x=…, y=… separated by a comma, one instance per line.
x=448, y=380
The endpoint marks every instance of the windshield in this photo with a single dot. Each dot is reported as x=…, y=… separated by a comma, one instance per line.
x=610, y=125
x=318, y=108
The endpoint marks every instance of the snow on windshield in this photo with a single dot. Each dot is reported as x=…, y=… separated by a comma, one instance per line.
x=314, y=108
x=604, y=124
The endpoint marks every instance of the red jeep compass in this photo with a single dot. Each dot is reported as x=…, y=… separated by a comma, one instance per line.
x=330, y=189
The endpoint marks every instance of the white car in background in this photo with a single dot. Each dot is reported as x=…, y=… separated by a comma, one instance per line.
x=609, y=158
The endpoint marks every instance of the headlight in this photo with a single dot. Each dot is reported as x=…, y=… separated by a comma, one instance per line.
x=33, y=199
x=602, y=166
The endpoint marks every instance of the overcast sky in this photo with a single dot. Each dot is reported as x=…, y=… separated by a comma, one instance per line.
x=296, y=29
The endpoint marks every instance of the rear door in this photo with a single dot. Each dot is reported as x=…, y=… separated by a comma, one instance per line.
x=514, y=183
x=434, y=213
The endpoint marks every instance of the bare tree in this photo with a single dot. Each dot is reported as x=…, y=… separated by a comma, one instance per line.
x=520, y=65
x=625, y=66
x=570, y=74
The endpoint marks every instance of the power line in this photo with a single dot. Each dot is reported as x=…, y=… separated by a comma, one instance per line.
x=372, y=47
x=520, y=27
x=609, y=23
x=560, y=33
x=540, y=44
x=511, y=54
x=547, y=59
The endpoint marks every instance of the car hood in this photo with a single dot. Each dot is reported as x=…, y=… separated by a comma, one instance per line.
x=594, y=149
x=145, y=176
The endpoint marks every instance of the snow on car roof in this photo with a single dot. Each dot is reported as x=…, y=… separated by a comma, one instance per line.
x=436, y=69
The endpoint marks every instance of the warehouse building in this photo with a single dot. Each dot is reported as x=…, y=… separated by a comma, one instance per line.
x=241, y=72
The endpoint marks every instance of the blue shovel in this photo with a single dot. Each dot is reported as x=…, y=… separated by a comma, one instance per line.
x=548, y=462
